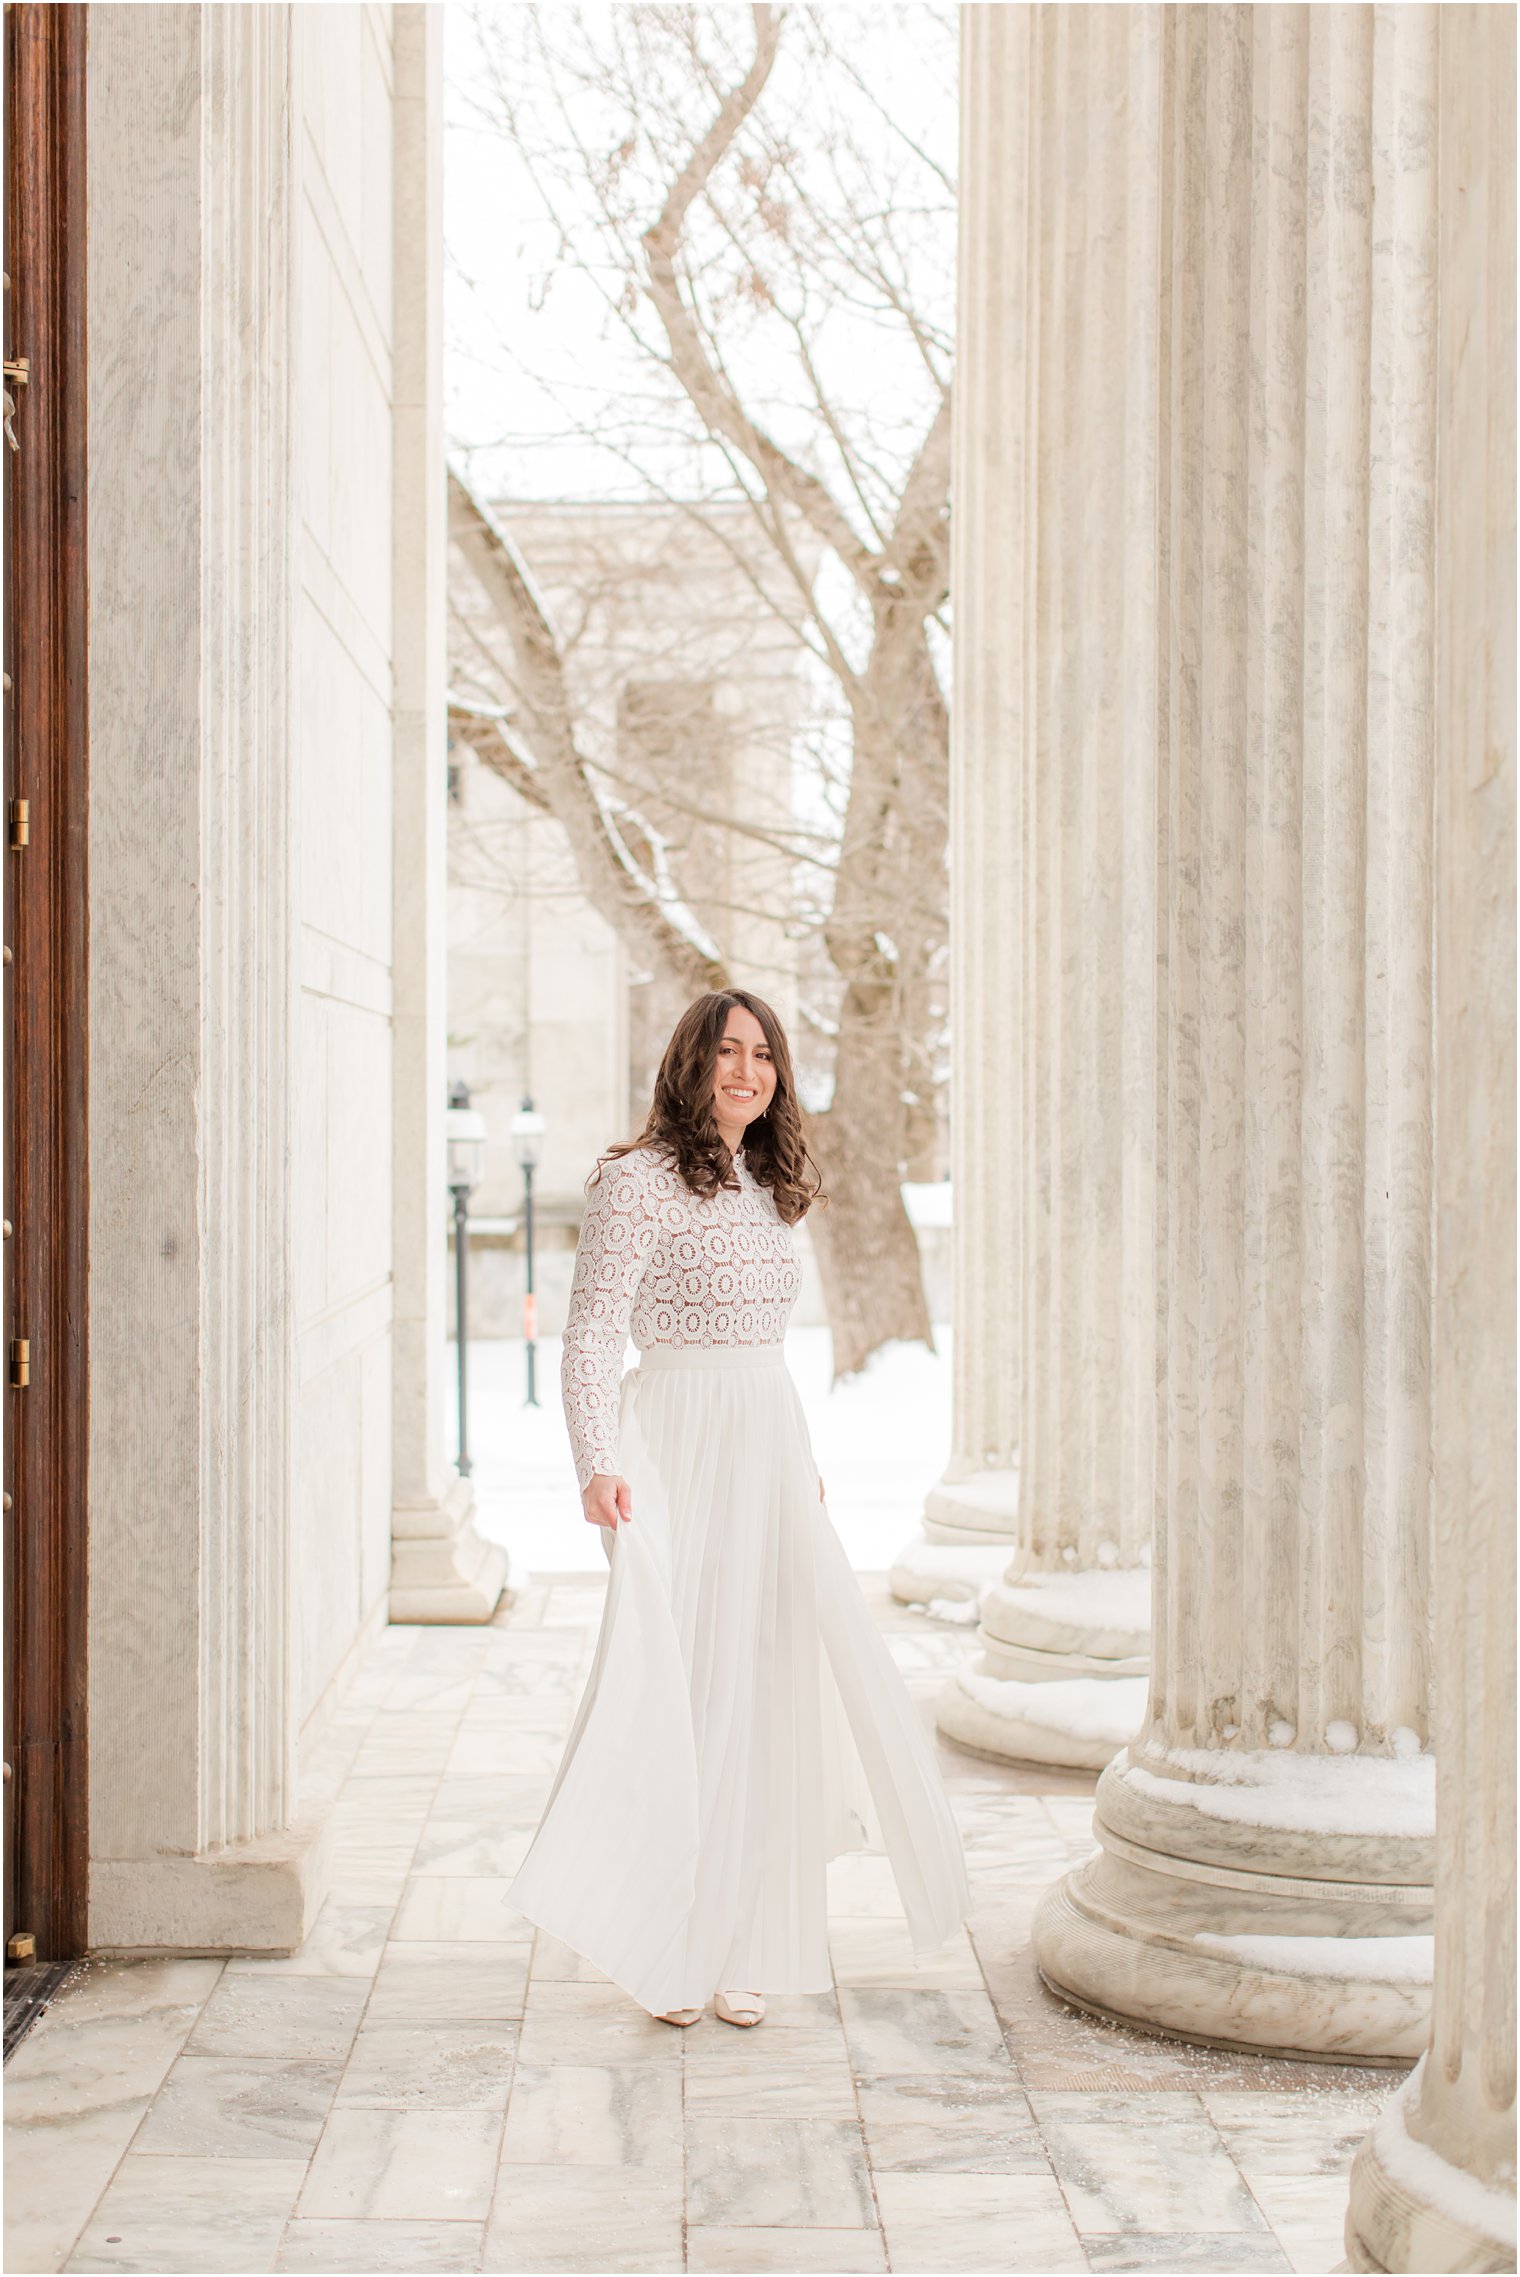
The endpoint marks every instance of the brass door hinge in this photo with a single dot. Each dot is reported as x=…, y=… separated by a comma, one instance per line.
x=21, y=822
x=21, y=1361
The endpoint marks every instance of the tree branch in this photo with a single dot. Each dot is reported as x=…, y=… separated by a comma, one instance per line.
x=635, y=904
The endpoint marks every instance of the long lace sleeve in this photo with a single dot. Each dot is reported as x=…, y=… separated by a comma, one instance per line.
x=617, y=1234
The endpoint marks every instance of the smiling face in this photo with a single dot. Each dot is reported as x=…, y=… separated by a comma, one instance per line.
x=744, y=1081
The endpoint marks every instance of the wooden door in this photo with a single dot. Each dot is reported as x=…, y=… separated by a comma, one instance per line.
x=45, y=1044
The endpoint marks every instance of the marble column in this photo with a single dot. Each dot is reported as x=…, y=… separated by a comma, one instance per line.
x=441, y=1569
x=971, y=1514
x=1266, y=1850
x=198, y=1840
x=1070, y=98
x=1434, y=2184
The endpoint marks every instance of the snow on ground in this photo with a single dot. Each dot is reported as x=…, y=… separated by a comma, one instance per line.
x=881, y=1439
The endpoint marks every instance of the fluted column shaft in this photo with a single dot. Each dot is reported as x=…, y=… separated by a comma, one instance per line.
x=977, y=1499
x=1081, y=91
x=1293, y=1055
x=1434, y=2185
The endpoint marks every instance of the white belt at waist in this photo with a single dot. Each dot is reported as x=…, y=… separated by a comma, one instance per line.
x=657, y=1356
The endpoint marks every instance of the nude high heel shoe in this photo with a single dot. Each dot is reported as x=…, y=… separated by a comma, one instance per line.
x=680, y=2016
x=739, y=2007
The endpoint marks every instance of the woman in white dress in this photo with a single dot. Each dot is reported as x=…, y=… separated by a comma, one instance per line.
x=743, y=1721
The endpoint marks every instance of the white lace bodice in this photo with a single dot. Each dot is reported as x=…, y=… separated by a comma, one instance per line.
x=657, y=1262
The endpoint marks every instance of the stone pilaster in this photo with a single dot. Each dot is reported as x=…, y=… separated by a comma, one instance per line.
x=1070, y=100
x=196, y=1836
x=974, y=1508
x=1266, y=1854
x=441, y=1569
x=1433, y=2187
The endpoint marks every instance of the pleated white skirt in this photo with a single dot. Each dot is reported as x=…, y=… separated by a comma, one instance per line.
x=743, y=1721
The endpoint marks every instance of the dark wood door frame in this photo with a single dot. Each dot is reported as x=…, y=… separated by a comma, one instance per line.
x=46, y=934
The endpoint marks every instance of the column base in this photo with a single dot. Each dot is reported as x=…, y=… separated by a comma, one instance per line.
x=946, y=1573
x=1073, y=1726
x=1203, y=1920
x=969, y=1533
x=251, y=1897
x=1062, y=1676
x=441, y=1569
x=1412, y=2209
x=981, y=1508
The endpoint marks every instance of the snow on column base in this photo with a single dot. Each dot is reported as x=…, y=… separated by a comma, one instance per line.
x=983, y=1507
x=946, y=1574
x=1046, y=1627
x=968, y=1537
x=1412, y=2209
x=1079, y=1724
x=1281, y=1905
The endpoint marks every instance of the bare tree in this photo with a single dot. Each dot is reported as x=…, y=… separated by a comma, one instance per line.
x=716, y=250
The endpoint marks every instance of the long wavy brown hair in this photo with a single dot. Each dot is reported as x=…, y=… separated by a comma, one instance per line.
x=681, y=1117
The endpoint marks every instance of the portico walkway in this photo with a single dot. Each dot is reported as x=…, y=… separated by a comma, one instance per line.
x=424, y=2087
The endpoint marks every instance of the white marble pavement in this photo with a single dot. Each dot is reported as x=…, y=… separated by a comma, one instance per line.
x=425, y=2086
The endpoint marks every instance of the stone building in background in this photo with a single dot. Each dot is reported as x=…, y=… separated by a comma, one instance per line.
x=689, y=684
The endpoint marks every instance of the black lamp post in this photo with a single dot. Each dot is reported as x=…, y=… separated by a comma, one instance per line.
x=466, y=1129
x=527, y=1138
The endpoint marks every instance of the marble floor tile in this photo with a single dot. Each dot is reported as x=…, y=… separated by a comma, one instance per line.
x=777, y=2173
x=237, y=2107
x=471, y=1846
x=874, y=1951
x=755, y=2253
x=615, y=2219
x=488, y=1754
x=1181, y=2256
x=409, y=2166
x=891, y=2030
x=450, y=1909
x=429, y=2067
x=924, y=2123
x=373, y=1861
x=127, y=1988
x=429, y=1692
x=862, y=1882
x=381, y=1888
x=576, y=1606
x=713, y=2045
x=547, y=1664
x=345, y=1941
x=808, y=2086
x=1143, y=2162
x=370, y=2248
x=55, y=2169
x=1073, y=1814
x=450, y=1983
x=1308, y=2217
x=1312, y=2133
x=300, y=2017
x=70, y=2065
x=595, y=2115
x=555, y=1962
x=506, y=1800
x=407, y=1795
x=968, y=2223
x=605, y=2029
x=543, y=1713
x=191, y=2214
